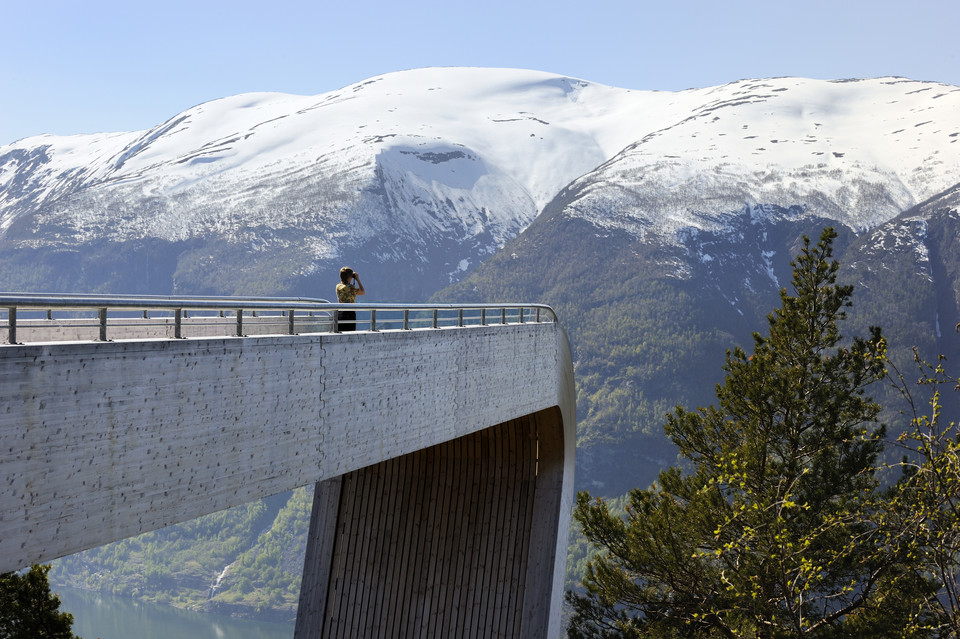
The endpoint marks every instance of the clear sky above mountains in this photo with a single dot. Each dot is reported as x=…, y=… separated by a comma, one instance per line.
x=111, y=65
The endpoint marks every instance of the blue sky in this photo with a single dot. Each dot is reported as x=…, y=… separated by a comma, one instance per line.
x=84, y=67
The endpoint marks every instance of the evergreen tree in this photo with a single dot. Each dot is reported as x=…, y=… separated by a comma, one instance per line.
x=774, y=529
x=27, y=608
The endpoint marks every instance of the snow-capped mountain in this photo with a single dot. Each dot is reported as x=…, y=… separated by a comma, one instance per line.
x=858, y=152
x=427, y=171
x=418, y=176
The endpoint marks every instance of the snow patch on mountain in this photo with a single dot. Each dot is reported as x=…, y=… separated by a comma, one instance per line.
x=457, y=161
x=251, y=159
x=859, y=153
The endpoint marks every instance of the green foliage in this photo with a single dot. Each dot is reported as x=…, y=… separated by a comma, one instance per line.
x=246, y=560
x=28, y=609
x=774, y=533
x=267, y=575
x=924, y=508
x=631, y=358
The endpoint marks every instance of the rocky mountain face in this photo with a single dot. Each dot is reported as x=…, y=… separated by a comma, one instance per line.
x=907, y=273
x=660, y=225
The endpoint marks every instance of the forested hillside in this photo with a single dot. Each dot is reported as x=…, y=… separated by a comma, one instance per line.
x=246, y=561
x=644, y=338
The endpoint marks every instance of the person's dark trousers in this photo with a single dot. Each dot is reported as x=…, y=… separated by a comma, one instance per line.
x=346, y=321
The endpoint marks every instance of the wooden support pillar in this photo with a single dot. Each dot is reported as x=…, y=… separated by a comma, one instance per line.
x=317, y=567
x=456, y=540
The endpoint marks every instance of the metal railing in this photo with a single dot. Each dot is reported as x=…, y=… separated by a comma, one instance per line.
x=63, y=317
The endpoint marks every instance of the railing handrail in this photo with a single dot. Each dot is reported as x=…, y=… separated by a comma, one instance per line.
x=179, y=306
x=196, y=302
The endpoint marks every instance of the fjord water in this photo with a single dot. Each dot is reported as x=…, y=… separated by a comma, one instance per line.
x=103, y=616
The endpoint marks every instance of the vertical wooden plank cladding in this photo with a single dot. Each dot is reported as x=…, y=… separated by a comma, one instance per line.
x=479, y=578
x=335, y=596
x=370, y=554
x=435, y=543
x=363, y=527
x=408, y=484
x=448, y=527
x=514, y=553
x=528, y=496
x=455, y=539
x=317, y=570
x=348, y=540
x=507, y=596
x=418, y=590
x=487, y=578
x=339, y=593
x=468, y=547
x=503, y=521
x=392, y=567
x=437, y=559
x=413, y=582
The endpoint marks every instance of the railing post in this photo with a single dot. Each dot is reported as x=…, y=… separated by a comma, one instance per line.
x=373, y=319
x=178, y=323
x=239, y=322
x=406, y=319
x=503, y=314
x=435, y=318
x=460, y=317
x=335, y=325
x=12, y=325
x=483, y=317
x=522, y=309
x=538, y=315
x=103, y=324
x=290, y=322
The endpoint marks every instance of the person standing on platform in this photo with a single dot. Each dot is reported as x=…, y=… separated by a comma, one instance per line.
x=347, y=292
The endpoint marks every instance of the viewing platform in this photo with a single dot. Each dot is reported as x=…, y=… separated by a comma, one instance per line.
x=439, y=438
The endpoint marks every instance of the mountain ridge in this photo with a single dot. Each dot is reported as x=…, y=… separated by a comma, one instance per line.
x=430, y=171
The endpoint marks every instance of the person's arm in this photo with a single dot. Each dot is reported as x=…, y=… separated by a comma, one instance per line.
x=360, y=290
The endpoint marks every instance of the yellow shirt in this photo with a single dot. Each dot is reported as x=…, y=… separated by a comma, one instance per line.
x=346, y=293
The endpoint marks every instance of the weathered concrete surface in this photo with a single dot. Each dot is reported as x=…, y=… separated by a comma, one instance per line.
x=102, y=441
x=63, y=330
